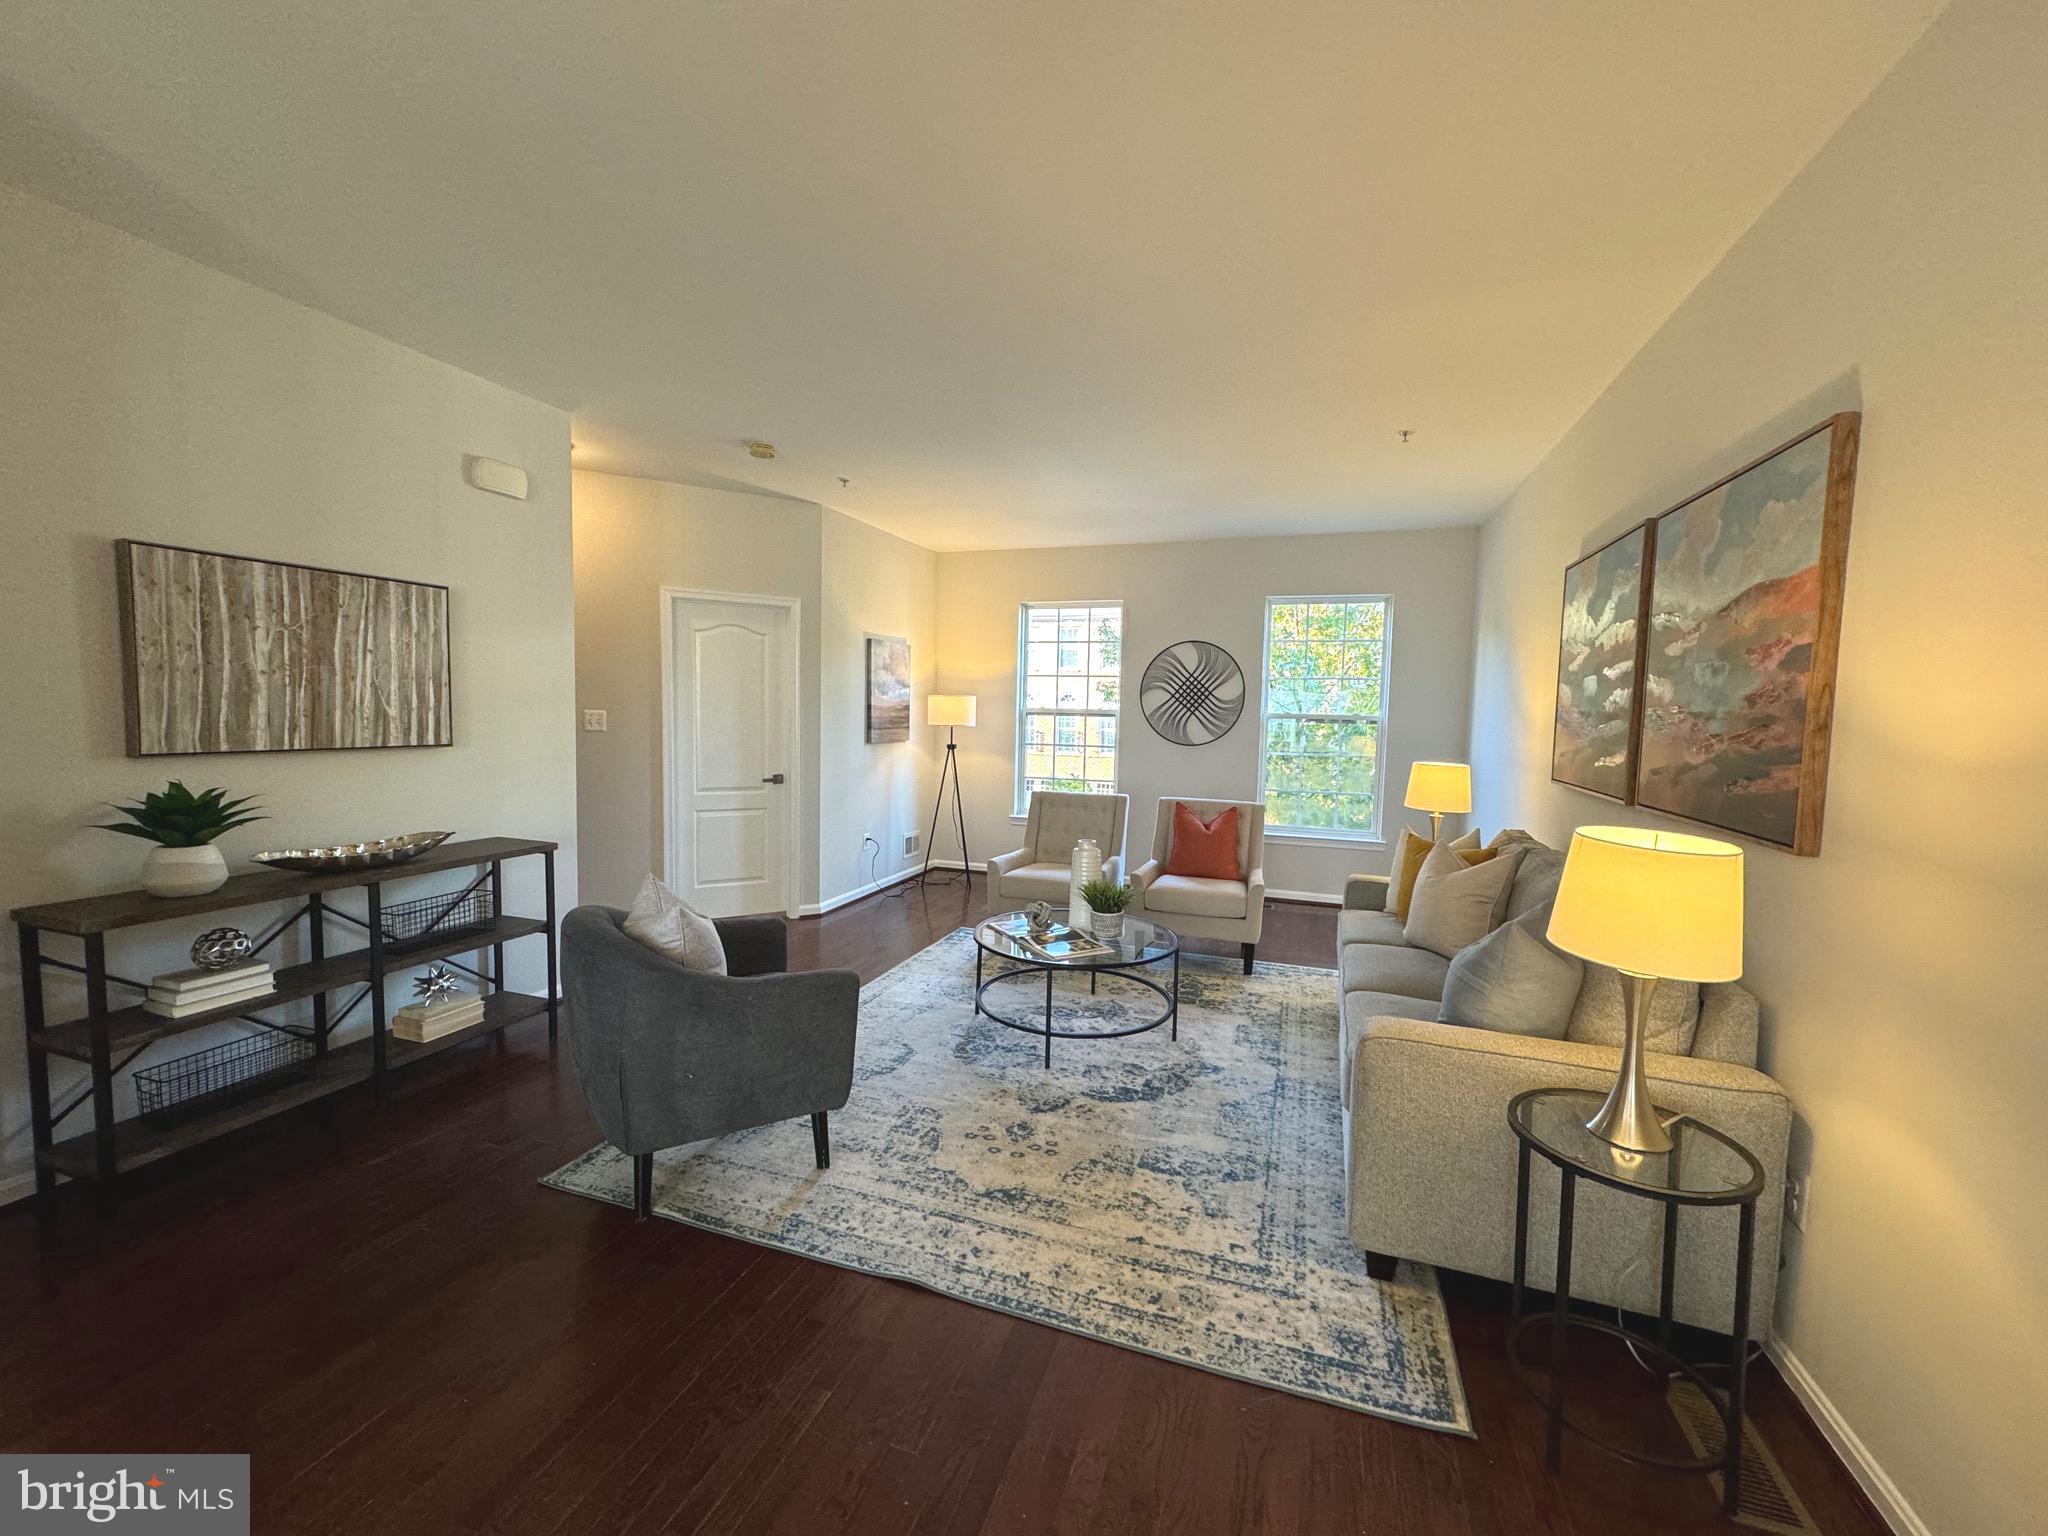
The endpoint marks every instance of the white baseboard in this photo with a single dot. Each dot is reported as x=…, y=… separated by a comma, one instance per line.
x=847, y=898
x=1877, y=1486
x=1318, y=898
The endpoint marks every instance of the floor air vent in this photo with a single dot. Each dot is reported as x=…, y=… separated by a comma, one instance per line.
x=1768, y=1502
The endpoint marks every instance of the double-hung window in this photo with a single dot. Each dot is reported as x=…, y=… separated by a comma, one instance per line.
x=1325, y=714
x=1069, y=671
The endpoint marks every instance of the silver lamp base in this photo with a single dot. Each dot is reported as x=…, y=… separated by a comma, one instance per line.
x=1628, y=1118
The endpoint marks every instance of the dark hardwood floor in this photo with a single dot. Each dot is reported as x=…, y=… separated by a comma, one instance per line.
x=409, y=1334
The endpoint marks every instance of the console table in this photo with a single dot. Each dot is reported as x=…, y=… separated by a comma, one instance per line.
x=108, y=1039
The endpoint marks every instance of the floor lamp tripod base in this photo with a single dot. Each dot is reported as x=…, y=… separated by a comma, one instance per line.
x=949, y=773
x=1628, y=1118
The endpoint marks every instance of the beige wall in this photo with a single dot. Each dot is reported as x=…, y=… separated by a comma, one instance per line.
x=148, y=397
x=1905, y=272
x=873, y=584
x=1211, y=590
x=634, y=537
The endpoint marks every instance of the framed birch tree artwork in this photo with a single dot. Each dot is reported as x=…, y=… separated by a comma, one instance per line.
x=221, y=653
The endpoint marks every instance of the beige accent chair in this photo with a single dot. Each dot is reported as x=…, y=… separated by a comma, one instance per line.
x=1042, y=869
x=1232, y=910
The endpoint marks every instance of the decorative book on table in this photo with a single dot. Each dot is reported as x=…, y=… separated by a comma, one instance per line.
x=1059, y=942
x=179, y=994
x=420, y=1022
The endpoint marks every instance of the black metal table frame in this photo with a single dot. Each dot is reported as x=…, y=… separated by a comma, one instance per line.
x=1123, y=969
x=1561, y=1320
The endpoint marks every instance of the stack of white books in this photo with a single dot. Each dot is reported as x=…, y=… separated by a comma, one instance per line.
x=180, y=994
x=419, y=1022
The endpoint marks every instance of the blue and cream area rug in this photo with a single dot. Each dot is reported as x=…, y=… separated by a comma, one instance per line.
x=1184, y=1198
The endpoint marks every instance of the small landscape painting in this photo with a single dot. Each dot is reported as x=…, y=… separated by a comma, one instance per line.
x=1745, y=618
x=1592, y=743
x=888, y=688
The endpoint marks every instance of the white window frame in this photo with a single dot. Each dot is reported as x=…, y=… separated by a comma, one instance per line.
x=1379, y=768
x=1020, y=802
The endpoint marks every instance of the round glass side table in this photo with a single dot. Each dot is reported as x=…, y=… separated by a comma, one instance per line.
x=1703, y=1168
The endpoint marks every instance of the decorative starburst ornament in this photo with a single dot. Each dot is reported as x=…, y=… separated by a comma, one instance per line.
x=438, y=986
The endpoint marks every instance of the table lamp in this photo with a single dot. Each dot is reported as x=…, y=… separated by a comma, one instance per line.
x=951, y=710
x=1439, y=788
x=1652, y=905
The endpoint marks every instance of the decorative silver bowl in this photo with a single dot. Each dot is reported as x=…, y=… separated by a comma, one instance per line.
x=372, y=855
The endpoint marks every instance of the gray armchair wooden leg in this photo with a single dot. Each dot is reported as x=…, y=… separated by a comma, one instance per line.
x=1249, y=951
x=1380, y=1266
x=821, y=1139
x=643, y=1186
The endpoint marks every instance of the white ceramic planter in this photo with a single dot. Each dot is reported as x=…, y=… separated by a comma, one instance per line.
x=184, y=871
x=1108, y=926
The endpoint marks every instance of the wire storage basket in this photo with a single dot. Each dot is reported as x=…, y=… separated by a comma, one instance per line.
x=450, y=912
x=221, y=1074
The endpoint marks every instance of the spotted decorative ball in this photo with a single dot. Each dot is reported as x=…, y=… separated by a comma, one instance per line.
x=218, y=948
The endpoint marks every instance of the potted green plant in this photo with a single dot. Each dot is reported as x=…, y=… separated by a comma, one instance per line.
x=1106, y=899
x=183, y=825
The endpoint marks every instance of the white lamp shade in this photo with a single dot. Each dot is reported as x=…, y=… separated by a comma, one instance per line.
x=949, y=709
x=1651, y=903
x=1440, y=787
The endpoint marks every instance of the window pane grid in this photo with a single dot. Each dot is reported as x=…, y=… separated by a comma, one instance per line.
x=1068, y=689
x=1324, y=714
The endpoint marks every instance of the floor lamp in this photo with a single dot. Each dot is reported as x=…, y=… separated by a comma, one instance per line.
x=950, y=710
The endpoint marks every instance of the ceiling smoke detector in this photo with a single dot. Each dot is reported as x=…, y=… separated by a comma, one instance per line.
x=761, y=450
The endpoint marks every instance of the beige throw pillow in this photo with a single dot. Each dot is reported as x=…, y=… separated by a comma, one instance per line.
x=1410, y=849
x=669, y=926
x=1455, y=903
x=1598, y=1017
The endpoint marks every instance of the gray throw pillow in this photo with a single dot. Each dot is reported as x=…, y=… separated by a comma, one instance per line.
x=1456, y=904
x=669, y=926
x=1513, y=981
x=1599, y=1019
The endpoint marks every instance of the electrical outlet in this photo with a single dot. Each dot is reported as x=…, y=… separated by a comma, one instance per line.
x=593, y=720
x=911, y=840
x=1798, y=1198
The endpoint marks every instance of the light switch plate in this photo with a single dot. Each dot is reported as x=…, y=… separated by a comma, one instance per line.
x=593, y=720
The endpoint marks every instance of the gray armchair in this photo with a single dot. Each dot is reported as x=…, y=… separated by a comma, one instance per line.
x=667, y=1056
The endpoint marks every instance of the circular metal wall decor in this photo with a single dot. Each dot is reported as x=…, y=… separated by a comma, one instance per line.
x=1192, y=693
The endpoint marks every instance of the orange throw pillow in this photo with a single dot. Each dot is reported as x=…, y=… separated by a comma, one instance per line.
x=1204, y=850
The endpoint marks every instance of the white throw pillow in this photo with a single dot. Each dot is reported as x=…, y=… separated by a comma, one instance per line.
x=667, y=924
x=1456, y=904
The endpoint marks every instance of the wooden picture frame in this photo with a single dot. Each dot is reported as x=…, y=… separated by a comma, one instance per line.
x=1738, y=678
x=1583, y=710
x=228, y=653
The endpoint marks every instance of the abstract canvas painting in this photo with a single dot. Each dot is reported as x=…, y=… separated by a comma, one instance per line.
x=1745, y=620
x=888, y=688
x=226, y=654
x=1599, y=654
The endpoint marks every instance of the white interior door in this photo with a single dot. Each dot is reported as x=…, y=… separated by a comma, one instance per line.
x=729, y=754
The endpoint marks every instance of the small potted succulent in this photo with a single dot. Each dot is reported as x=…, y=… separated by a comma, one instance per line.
x=183, y=825
x=1106, y=899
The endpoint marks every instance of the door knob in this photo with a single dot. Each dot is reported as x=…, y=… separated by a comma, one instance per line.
x=773, y=778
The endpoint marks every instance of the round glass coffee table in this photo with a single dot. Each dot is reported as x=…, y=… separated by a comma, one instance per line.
x=1144, y=944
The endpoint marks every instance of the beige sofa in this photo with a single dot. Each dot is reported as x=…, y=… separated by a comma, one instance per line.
x=1231, y=910
x=1430, y=1161
x=1042, y=870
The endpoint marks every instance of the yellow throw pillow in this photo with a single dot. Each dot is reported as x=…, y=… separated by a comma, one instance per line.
x=1410, y=849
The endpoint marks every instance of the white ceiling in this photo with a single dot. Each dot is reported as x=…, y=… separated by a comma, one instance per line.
x=1026, y=273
